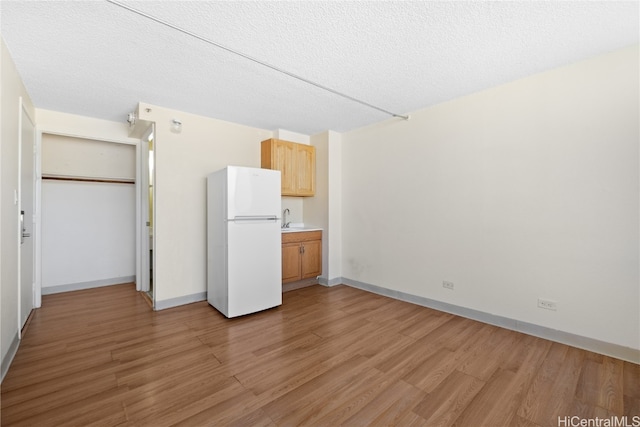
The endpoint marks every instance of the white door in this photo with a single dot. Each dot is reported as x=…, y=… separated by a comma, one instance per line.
x=27, y=186
x=254, y=263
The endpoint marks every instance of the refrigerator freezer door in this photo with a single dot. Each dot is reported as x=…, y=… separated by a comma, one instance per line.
x=254, y=266
x=252, y=192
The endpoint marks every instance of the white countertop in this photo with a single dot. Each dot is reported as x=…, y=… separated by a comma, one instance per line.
x=299, y=227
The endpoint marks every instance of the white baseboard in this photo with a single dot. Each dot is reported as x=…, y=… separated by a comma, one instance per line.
x=609, y=349
x=48, y=290
x=175, y=302
x=330, y=282
x=8, y=358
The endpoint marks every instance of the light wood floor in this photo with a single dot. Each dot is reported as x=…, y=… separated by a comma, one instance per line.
x=327, y=356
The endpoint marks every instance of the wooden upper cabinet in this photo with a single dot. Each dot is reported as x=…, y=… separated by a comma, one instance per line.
x=305, y=170
x=296, y=163
x=281, y=155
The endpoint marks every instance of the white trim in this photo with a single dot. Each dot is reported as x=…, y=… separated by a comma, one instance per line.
x=49, y=290
x=330, y=282
x=138, y=216
x=153, y=216
x=34, y=207
x=18, y=206
x=37, y=289
x=11, y=353
x=31, y=219
x=53, y=131
x=142, y=201
x=609, y=349
x=175, y=302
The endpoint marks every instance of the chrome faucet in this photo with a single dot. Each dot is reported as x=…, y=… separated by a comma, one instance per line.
x=285, y=224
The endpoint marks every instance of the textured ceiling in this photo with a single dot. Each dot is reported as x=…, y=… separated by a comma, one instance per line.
x=96, y=59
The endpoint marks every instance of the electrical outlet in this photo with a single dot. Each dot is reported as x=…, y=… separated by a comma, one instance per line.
x=447, y=285
x=547, y=304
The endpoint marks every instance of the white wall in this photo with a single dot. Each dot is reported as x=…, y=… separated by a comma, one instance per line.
x=183, y=160
x=11, y=89
x=522, y=191
x=88, y=234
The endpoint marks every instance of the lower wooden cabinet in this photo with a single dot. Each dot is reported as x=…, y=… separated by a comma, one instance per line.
x=301, y=255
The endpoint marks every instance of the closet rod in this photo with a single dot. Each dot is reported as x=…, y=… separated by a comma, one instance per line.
x=81, y=179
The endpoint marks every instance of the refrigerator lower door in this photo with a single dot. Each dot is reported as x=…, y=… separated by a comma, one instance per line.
x=254, y=266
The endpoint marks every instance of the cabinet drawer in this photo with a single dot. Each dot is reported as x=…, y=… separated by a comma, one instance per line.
x=302, y=236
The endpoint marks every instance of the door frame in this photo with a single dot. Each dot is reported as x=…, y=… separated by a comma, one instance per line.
x=32, y=221
x=142, y=240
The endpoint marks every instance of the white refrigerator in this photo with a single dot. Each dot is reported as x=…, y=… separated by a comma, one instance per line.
x=244, y=250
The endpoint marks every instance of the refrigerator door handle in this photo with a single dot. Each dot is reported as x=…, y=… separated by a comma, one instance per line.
x=252, y=218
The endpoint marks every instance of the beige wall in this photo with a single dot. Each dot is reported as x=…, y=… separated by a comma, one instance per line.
x=80, y=157
x=55, y=122
x=522, y=191
x=296, y=209
x=324, y=209
x=334, y=226
x=183, y=160
x=316, y=208
x=11, y=89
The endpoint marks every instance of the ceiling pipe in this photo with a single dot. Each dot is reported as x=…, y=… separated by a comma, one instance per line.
x=257, y=61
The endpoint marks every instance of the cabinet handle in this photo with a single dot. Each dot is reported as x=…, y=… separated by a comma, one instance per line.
x=302, y=247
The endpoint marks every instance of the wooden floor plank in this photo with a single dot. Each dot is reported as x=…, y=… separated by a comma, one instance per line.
x=483, y=410
x=631, y=375
x=611, y=396
x=327, y=356
x=68, y=387
x=306, y=366
x=534, y=404
x=298, y=406
x=429, y=374
x=445, y=404
x=388, y=406
x=354, y=394
x=490, y=354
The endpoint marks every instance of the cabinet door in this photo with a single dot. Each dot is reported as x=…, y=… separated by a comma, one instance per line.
x=305, y=170
x=290, y=262
x=284, y=161
x=311, y=259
